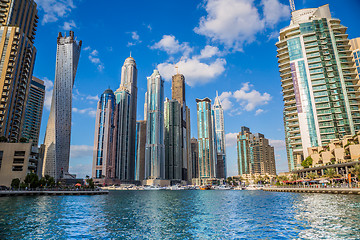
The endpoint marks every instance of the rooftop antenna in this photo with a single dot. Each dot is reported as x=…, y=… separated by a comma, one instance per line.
x=130, y=53
x=177, y=69
x=292, y=5
x=217, y=94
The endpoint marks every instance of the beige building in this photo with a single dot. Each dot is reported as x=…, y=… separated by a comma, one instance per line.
x=355, y=49
x=17, y=160
x=17, y=57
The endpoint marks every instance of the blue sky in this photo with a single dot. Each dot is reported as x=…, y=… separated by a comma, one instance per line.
x=219, y=45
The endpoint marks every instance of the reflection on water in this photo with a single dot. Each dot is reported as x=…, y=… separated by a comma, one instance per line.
x=182, y=215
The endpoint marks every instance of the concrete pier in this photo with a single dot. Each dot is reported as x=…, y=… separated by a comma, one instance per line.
x=50, y=193
x=314, y=190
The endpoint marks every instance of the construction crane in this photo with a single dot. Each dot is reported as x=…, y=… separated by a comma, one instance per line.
x=292, y=5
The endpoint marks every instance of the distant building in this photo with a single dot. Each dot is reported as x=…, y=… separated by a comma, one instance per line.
x=33, y=110
x=140, y=150
x=17, y=57
x=355, y=48
x=103, y=167
x=173, y=140
x=195, y=158
x=206, y=140
x=125, y=122
x=255, y=155
x=220, y=138
x=17, y=160
x=58, y=130
x=319, y=82
x=154, y=148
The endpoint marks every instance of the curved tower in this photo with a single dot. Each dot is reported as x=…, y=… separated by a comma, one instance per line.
x=58, y=130
x=220, y=138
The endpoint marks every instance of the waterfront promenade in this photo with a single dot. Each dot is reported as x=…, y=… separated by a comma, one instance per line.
x=331, y=190
x=52, y=192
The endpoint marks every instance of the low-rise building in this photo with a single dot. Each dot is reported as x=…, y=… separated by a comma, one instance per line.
x=17, y=160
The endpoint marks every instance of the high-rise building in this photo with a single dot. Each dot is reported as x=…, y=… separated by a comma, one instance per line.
x=178, y=94
x=195, y=158
x=154, y=148
x=103, y=167
x=220, y=138
x=355, y=48
x=17, y=52
x=255, y=155
x=319, y=84
x=58, y=130
x=173, y=140
x=206, y=140
x=140, y=150
x=125, y=122
x=33, y=110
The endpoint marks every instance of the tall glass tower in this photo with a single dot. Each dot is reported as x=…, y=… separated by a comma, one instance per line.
x=206, y=140
x=125, y=122
x=58, y=130
x=319, y=82
x=154, y=148
x=355, y=48
x=220, y=138
x=102, y=164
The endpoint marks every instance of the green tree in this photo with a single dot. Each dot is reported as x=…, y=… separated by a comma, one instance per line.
x=307, y=162
x=3, y=139
x=356, y=171
x=331, y=174
x=15, y=183
x=32, y=180
x=312, y=176
x=90, y=183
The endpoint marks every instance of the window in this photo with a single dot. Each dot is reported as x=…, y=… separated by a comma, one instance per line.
x=1, y=157
x=17, y=168
x=18, y=160
x=19, y=153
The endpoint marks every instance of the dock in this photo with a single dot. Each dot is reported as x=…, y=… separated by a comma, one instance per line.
x=314, y=190
x=50, y=193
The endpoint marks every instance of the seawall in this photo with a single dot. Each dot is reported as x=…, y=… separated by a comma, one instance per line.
x=314, y=190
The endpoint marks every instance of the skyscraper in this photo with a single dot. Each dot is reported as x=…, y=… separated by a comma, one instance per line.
x=173, y=140
x=220, y=138
x=206, y=140
x=17, y=52
x=355, y=48
x=154, y=149
x=319, y=82
x=140, y=150
x=178, y=94
x=58, y=130
x=33, y=110
x=195, y=157
x=255, y=155
x=103, y=167
x=125, y=122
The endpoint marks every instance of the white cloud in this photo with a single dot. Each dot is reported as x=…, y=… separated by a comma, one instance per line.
x=259, y=111
x=135, y=36
x=93, y=57
x=94, y=98
x=94, y=52
x=274, y=11
x=234, y=23
x=49, y=85
x=69, y=25
x=195, y=72
x=208, y=52
x=79, y=151
x=170, y=45
x=81, y=170
x=87, y=48
x=247, y=98
x=250, y=99
x=89, y=111
x=231, y=139
x=277, y=144
x=55, y=9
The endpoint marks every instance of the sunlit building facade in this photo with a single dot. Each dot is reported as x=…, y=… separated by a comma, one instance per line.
x=154, y=148
x=58, y=129
x=319, y=82
x=18, y=21
x=355, y=49
x=220, y=138
x=103, y=167
x=206, y=140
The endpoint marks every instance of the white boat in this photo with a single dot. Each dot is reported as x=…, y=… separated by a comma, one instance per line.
x=254, y=187
x=239, y=188
x=152, y=188
x=223, y=187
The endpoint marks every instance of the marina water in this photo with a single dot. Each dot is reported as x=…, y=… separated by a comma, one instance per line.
x=182, y=215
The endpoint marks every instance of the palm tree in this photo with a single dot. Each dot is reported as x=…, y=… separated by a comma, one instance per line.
x=312, y=176
x=331, y=173
x=356, y=171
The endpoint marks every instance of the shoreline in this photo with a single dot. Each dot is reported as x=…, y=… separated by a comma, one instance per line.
x=355, y=191
x=49, y=193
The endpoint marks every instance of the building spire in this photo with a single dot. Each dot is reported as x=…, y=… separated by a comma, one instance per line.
x=130, y=53
x=177, y=69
